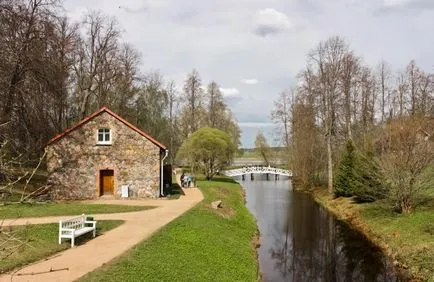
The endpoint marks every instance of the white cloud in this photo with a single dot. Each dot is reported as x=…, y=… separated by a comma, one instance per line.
x=393, y=3
x=406, y=5
x=132, y=10
x=250, y=81
x=229, y=92
x=270, y=21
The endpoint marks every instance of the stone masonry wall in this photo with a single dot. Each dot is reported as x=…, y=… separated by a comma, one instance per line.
x=74, y=161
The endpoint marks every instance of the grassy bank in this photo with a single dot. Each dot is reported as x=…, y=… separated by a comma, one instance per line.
x=59, y=209
x=407, y=239
x=40, y=242
x=202, y=245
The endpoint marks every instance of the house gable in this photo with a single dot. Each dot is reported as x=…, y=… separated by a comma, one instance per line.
x=116, y=116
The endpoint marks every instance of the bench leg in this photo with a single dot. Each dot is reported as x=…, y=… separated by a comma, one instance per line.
x=94, y=233
x=60, y=240
x=72, y=242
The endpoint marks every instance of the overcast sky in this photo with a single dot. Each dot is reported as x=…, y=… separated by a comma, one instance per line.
x=255, y=48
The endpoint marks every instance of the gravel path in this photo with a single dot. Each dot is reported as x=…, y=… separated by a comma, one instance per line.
x=85, y=258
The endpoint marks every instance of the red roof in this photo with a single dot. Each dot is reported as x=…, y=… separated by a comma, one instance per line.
x=107, y=110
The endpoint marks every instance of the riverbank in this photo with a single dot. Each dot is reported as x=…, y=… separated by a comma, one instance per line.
x=407, y=239
x=204, y=244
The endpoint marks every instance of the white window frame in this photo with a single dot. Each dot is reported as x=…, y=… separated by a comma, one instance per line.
x=106, y=134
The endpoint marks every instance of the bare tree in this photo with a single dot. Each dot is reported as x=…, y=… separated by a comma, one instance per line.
x=151, y=106
x=216, y=105
x=36, y=51
x=173, y=109
x=307, y=145
x=95, y=61
x=367, y=95
x=413, y=81
x=426, y=90
x=350, y=67
x=126, y=82
x=21, y=27
x=401, y=94
x=193, y=95
x=327, y=62
x=383, y=78
x=281, y=116
x=409, y=153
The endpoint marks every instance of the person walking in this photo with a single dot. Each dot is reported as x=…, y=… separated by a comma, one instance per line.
x=182, y=180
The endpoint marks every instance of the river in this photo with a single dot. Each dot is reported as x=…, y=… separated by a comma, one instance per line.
x=301, y=241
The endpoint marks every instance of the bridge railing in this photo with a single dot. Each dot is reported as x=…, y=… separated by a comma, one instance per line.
x=258, y=170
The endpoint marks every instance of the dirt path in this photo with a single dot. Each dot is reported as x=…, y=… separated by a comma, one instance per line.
x=96, y=252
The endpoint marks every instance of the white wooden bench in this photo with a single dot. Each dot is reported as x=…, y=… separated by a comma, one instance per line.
x=74, y=227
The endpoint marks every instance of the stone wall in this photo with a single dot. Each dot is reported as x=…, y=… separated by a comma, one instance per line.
x=74, y=161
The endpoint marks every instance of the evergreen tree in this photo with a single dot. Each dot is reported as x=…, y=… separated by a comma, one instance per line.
x=371, y=178
x=359, y=175
x=347, y=181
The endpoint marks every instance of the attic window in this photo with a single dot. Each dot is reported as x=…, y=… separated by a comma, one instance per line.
x=104, y=136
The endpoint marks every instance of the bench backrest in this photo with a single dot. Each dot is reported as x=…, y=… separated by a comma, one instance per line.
x=74, y=223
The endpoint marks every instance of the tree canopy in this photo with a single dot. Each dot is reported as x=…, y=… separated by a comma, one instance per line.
x=384, y=116
x=262, y=147
x=208, y=149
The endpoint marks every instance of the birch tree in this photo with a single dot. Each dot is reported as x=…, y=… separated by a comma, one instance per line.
x=281, y=116
x=326, y=60
x=350, y=68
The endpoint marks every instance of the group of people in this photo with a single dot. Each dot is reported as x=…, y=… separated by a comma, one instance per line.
x=186, y=180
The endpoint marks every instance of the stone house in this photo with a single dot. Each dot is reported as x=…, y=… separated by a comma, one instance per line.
x=102, y=155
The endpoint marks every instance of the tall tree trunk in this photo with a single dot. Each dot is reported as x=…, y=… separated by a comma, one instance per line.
x=348, y=113
x=330, y=163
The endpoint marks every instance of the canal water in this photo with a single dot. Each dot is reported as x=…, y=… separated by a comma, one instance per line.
x=301, y=241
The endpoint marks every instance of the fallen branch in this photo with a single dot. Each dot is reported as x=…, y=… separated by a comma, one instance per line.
x=42, y=272
x=33, y=173
x=10, y=184
x=39, y=190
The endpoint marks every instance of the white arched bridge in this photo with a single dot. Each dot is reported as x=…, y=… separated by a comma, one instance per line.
x=258, y=170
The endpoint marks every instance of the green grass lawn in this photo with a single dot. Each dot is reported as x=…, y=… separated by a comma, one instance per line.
x=41, y=242
x=202, y=245
x=71, y=208
x=409, y=239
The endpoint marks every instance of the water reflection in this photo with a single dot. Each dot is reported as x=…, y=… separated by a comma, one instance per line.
x=300, y=241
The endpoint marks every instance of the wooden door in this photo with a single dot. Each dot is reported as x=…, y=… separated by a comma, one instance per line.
x=106, y=182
